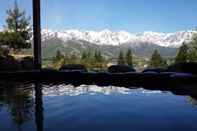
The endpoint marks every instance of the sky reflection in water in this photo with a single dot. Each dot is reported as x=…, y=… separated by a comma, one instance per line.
x=90, y=107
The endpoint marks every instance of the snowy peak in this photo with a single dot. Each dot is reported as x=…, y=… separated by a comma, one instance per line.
x=107, y=37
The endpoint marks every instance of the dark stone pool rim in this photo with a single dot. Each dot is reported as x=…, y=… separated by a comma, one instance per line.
x=102, y=78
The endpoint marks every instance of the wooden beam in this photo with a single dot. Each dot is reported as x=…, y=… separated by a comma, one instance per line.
x=37, y=34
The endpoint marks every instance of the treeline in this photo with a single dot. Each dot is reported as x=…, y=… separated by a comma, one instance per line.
x=91, y=59
x=186, y=53
x=95, y=59
x=125, y=59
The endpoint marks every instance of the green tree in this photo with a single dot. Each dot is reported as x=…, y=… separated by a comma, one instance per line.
x=129, y=57
x=156, y=60
x=17, y=32
x=192, y=49
x=88, y=59
x=182, y=55
x=121, y=60
x=58, y=60
x=84, y=55
x=59, y=55
x=98, y=57
x=99, y=60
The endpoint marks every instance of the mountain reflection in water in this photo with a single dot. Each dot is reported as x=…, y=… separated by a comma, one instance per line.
x=71, y=90
x=46, y=107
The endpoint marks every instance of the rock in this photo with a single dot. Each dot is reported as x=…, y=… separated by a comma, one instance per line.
x=27, y=63
x=182, y=75
x=73, y=67
x=167, y=73
x=150, y=72
x=9, y=63
x=121, y=69
x=190, y=67
x=49, y=70
x=156, y=70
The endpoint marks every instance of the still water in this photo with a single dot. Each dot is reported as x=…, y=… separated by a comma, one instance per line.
x=36, y=107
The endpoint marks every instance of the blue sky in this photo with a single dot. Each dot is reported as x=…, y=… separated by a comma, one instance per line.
x=129, y=15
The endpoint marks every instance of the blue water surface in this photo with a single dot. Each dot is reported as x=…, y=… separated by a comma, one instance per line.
x=94, y=108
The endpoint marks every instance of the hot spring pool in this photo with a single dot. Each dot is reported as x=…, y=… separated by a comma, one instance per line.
x=31, y=107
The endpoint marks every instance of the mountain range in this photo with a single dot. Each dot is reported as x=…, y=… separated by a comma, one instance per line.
x=110, y=42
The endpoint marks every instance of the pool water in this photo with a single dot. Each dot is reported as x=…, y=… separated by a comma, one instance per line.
x=36, y=107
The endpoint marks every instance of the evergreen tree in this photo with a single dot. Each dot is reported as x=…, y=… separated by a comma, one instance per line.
x=17, y=29
x=192, y=55
x=121, y=60
x=58, y=60
x=84, y=55
x=89, y=54
x=98, y=57
x=58, y=57
x=156, y=60
x=182, y=55
x=129, y=57
x=192, y=49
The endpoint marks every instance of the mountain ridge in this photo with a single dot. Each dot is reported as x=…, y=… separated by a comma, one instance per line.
x=110, y=43
x=107, y=37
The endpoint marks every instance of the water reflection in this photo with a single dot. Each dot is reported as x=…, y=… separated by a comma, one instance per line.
x=18, y=101
x=70, y=90
x=39, y=107
x=24, y=102
x=192, y=100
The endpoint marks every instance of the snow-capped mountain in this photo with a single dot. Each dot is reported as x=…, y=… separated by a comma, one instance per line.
x=107, y=37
